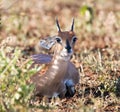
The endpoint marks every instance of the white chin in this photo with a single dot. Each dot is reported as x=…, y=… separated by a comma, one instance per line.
x=66, y=56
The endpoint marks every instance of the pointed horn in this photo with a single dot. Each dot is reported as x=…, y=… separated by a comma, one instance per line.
x=72, y=26
x=58, y=26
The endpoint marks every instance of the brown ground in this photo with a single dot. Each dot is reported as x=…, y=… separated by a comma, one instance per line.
x=97, y=55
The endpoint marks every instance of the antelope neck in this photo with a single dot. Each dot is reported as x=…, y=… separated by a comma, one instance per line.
x=57, y=69
x=58, y=62
x=61, y=58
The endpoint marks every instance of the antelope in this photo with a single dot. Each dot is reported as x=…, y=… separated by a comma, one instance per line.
x=61, y=76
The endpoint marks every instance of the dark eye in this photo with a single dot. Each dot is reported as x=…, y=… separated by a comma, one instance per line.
x=74, y=39
x=58, y=40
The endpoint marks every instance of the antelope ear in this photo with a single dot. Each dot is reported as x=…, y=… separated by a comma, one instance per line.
x=41, y=58
x=47, y=43
x=72, y=26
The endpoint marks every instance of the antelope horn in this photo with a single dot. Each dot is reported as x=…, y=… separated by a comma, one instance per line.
x=58, y=26
x=72, y=26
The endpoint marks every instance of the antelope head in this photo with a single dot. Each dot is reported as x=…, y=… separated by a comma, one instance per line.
x=62, y=45
x=64, y=42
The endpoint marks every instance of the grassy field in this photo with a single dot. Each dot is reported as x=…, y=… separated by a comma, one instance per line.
x=97, y=53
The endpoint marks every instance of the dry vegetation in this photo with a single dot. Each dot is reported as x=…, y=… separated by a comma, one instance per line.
x=97, y=24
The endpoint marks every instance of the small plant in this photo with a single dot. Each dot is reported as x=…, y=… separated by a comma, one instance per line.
x=117, y=90
x=87, y=12
x=14, y=92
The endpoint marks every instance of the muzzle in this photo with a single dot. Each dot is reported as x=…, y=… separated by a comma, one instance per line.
x=68, y=47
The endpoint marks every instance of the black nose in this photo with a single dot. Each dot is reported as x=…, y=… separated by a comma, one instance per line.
x=68, y=47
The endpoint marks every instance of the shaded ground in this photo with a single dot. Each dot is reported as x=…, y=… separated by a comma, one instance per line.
x=97, y=55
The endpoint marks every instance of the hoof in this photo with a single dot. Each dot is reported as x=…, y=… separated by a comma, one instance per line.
x=70, y=92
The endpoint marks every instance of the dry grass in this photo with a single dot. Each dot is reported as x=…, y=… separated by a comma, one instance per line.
x=97, y=56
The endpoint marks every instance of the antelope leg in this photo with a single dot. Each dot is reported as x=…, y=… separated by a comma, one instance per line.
x=70, y=91
x=63, y=92
x=70, y=86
